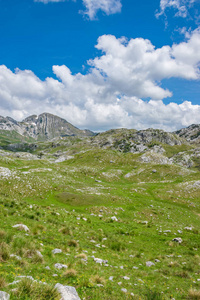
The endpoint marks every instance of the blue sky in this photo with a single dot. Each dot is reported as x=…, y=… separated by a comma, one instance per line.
x=102, y=64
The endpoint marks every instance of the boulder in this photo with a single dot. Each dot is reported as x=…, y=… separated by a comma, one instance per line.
x=67, y=292
x=4, y=296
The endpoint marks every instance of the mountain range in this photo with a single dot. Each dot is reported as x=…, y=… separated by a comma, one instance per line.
x=48, y=126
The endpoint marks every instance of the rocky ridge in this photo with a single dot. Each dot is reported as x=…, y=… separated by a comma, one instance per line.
x=43, y=127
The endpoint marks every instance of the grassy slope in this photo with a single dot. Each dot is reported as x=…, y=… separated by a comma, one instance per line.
x=72, y=205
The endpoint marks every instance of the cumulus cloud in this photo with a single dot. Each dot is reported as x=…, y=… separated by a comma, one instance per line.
x=112, y=93
x=180, y=6
x=93, y=6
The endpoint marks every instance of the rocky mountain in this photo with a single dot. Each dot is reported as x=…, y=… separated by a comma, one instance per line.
x=43, y=127
x=191, y=133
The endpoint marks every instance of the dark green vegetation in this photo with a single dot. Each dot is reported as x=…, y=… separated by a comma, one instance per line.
x=70, y=205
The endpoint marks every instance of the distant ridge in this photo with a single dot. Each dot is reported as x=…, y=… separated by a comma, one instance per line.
x=43, y=127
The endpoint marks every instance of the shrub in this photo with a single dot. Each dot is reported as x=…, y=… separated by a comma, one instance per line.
x=73, y=243
x=70, y=273
x=4, y=252
x=194, y=294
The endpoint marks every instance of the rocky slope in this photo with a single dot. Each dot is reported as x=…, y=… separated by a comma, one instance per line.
x=129, y=140
x=43, y=127
x=191, y=133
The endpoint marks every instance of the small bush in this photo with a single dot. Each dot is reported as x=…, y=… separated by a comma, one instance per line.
x=4, y=252
x=28, y=289
x=97, y=279
x=81, y=255
x=70, y=273
x=66, y=231
x=2, y=283
x=117, y=246
x=73, y=243
x=194, y=294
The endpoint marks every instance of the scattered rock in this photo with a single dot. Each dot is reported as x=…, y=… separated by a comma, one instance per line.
x=21, y=227
x=67, y=292
x=99, y=260
x=55, y=251
x=15, y=256
x=188, y=228
x=114, y=218
x=111, y=278
x=178, y=240
x=149, y=264
x=60, y=266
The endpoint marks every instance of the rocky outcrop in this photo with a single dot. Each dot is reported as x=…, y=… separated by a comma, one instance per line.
x=129, y=140
x=191, y=133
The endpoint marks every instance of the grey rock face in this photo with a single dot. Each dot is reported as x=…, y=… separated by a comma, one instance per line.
x=191, y=133
x=67, y=292
x=4, y=296
x=47, y=126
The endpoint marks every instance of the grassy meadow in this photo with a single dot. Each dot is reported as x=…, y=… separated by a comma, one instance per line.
x=99, y=204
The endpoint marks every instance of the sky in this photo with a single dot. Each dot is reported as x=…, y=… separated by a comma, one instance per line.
x=102, y=64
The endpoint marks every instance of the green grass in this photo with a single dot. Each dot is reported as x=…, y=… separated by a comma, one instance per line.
x=69, y=206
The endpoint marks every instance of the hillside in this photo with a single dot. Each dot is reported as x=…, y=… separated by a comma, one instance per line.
x=116, y=216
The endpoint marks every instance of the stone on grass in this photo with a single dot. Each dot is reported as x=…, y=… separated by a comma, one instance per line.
x=149, y=264
x=15, y=256
x=4, y=296
x=114, y=218
x=188, y=228
x=111, y=278
x=21, y=227
x=126, y=278
x=99, y=260
x=178, y=240
x=55, y=251
x=124, y=290
x=67, y=292
x=39, y=253
x=60, y=266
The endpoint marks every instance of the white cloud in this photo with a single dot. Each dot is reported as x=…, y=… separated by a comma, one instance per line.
x=93, y=6
x=107, y=6
x=110, y=94
x=180, y=6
